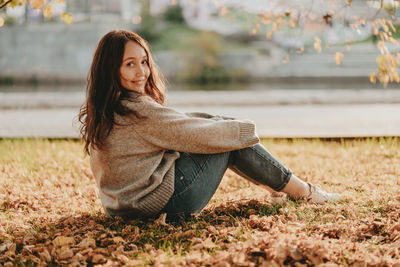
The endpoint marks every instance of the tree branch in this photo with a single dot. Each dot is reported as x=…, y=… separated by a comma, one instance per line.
x=6, y=3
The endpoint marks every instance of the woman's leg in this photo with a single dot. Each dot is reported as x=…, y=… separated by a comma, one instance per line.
x=257, y=165
x=197, y=177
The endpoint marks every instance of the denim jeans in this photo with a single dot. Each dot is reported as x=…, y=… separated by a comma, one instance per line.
x=197, y=176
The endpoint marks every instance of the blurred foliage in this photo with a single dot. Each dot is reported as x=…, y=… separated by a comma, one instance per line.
x=174, y=14
x=202, y=64
x=9, y=21
x=172, y=37
x=148, y=26
x=200, y=52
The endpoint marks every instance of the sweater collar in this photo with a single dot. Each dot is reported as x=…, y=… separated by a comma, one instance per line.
x=132, y=94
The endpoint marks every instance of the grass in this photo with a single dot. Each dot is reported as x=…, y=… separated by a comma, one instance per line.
x=47, y=191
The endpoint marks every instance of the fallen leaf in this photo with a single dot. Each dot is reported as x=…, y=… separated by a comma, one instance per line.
x=61, y=241
x=98, y=258
x=161, y=219
x=45, y=256
x=66, y=254
x=118, y=240
x=87, y=242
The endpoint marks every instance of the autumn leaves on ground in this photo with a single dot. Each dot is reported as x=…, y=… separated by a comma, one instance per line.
x=50, y=213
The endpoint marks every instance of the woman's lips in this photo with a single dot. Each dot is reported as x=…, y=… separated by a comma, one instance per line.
x=138, y=82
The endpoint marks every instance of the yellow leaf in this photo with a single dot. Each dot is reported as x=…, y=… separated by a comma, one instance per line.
x=382, y=47
x=1, y=22
x=338, y=57
x=59, y=1
x=317, y=44
x=372, y=78
x=301, y=50
x=48, y=11
x=67, y=18
x=223, y=11
x=37, y=4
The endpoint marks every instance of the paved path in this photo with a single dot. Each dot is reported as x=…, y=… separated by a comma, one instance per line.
x=256, y=95
x=349, y=120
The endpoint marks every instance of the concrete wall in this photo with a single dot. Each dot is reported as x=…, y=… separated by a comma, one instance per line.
x=54, y=52
x=63, y=53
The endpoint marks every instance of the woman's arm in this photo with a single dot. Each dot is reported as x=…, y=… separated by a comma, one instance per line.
x=173, y=130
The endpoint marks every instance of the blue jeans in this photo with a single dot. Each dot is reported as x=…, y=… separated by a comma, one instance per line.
x=197, y=176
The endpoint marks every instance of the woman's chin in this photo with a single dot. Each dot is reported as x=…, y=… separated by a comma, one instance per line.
x=136, y=89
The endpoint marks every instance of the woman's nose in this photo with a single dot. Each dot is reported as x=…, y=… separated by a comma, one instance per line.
x=140, y=71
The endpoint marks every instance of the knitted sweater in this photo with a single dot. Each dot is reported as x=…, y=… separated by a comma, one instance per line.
x=135, y=169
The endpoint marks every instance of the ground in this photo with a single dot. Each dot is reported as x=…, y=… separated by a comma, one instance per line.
x=50, y=213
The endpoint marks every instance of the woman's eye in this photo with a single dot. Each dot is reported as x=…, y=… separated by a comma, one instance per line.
x=130, y=64
x=145, y=61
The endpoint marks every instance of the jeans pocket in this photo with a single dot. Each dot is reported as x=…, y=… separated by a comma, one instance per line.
x=187, y=169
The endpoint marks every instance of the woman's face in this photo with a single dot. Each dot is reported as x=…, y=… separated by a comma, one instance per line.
x=135, y=69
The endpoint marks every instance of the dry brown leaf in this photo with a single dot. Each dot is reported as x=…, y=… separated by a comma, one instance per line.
x=45, y=256
x=208, y=243
x=87, y=242
x=61, y=241
x=161, y=219
x=118, y=240
x=66, y=254
x=98, y=258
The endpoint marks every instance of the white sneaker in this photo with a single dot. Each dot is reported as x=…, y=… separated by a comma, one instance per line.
x=319, y=196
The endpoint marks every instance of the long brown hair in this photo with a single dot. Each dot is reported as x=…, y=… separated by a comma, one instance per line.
x=104, y=91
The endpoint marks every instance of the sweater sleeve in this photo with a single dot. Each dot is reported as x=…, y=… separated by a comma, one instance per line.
x=173, y=130
x=207, y=116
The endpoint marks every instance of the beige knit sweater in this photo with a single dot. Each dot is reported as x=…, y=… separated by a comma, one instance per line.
x=135, y=169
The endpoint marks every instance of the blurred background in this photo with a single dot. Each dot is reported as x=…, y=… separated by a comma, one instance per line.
x=297, y=68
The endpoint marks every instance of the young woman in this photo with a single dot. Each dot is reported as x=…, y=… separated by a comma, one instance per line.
x=149, y=159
